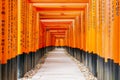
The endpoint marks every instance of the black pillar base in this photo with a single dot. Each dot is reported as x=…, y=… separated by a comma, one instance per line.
x=0, y=72
x=4, y=75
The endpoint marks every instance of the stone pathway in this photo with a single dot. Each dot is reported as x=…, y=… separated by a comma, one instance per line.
x=59, y=66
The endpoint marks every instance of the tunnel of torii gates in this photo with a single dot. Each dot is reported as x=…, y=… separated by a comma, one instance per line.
x=88, y=29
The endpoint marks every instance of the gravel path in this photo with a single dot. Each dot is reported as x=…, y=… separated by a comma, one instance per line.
x=58, y=65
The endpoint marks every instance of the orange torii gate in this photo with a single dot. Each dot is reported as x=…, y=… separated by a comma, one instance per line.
x=88, y=29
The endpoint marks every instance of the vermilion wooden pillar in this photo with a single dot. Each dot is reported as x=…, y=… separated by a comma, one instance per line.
x=0, y=40
x=4, y=38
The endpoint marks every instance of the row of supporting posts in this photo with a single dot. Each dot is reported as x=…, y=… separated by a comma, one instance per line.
x=96, y=64
x=18, y=66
